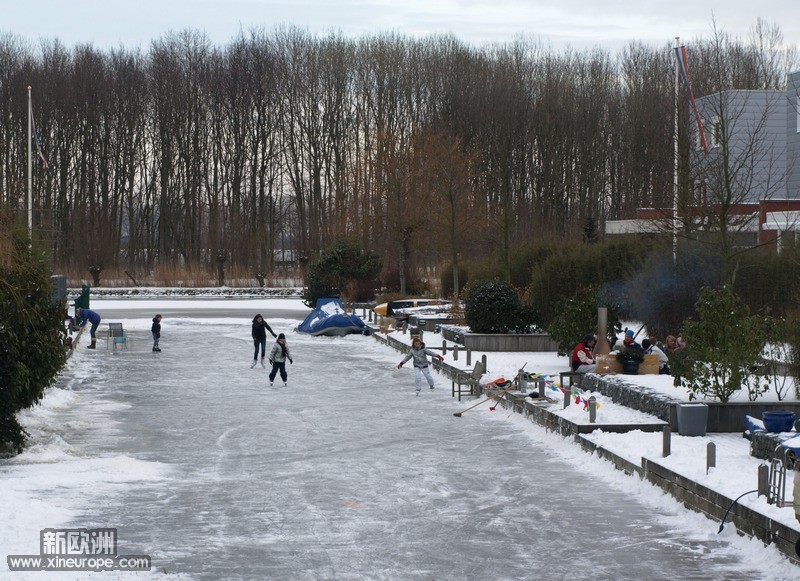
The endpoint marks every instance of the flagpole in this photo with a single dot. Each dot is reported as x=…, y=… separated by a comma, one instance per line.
x=30, y=169
x=675, y=159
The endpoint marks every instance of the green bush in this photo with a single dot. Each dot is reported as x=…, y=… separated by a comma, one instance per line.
x=494, y=307
x=340, y=272
x=576, y=317
x=32, y=335
x=723, y=346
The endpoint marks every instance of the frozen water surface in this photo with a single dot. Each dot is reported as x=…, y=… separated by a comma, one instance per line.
x=345, y=474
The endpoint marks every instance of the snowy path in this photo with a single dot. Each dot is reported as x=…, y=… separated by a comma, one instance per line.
x=345, y=474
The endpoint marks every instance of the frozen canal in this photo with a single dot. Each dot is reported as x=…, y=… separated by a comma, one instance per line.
x=344, y=474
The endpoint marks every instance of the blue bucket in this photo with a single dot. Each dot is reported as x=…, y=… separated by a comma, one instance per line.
x=778, y=421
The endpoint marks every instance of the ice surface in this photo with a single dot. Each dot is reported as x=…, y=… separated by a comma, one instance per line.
x=344, y=474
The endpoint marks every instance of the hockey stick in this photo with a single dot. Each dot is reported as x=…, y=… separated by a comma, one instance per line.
x=489, y=398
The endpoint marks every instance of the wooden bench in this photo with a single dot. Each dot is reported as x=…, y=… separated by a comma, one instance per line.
x=469, y=380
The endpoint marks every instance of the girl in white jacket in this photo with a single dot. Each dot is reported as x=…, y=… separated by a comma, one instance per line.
x=277, y=357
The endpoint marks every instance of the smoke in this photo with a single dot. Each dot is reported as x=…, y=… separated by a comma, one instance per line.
x=662, y=295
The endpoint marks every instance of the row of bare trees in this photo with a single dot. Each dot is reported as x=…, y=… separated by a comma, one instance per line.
x=424, y=150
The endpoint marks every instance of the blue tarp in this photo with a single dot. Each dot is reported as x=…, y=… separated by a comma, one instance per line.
x=329, y=317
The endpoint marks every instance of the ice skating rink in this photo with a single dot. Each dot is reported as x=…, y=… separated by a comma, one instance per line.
x=344, y=474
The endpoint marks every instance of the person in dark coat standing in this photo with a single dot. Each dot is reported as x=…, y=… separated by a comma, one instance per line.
x=260, y=328
x=88, y=315
x=156, y=331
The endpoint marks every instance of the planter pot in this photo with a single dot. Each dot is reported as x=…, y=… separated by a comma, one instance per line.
x=692, y=419
x=630, y=367
x=781, y=421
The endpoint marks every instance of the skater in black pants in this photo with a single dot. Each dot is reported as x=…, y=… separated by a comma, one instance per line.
x=260, y=328
x=156, y=331
x=278, y=356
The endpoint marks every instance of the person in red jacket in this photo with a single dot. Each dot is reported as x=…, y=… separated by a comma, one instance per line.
x=582, y=356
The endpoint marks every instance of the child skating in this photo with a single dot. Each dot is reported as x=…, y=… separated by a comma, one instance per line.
x=259, y=332
x=277, y=357
x=155, y=329
x=420, y=355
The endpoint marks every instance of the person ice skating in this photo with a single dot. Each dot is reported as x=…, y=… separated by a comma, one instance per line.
x=420, y=355
x=259, y=332
x=156, y=331
x=88, y=315
x=277, y=357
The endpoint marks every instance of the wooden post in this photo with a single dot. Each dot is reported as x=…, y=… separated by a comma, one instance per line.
x=567, y=396
x=455, y=352
x=666, y=443
x=469, y=357
x=711, y=456
x=763, y=480
x=483, y=360
x=592, y=410
x=444, y=347
x=542, y=387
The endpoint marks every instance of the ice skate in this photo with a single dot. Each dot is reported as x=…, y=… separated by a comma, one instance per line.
x=253, y=364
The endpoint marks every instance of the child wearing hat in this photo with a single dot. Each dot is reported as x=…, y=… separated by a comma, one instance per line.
x=277, y=357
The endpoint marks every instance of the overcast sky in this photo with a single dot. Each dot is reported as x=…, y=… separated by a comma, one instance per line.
x=578, y=23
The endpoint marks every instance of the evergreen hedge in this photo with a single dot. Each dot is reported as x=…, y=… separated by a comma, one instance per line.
x=32, y=335
x=494, y=307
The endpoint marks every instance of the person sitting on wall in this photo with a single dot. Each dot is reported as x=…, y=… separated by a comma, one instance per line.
x=663, y=360
x=582, y=356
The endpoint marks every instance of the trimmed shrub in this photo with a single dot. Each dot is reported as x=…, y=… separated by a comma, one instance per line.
x=494, y=307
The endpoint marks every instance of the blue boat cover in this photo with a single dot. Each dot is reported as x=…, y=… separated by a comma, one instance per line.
x=329, y=317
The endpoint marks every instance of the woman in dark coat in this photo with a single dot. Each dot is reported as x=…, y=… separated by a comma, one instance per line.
x=260, y=328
